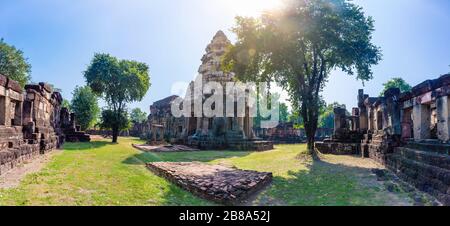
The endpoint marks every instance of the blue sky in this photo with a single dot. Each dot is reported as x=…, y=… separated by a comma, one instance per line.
x=59, y=37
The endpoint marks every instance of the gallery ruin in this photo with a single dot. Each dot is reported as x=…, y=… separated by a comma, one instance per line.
x=407, y=132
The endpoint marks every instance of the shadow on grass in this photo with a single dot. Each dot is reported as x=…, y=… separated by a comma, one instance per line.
x=321, y=184
x=83, y=146
x=327, y=184
x=199, y=156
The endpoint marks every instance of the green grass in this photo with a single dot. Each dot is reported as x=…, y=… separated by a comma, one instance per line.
x=101, y=173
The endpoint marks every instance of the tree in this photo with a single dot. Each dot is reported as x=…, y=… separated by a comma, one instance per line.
x=138, y=116
x=118, y=82
x=284, y=112
x=110, y=120
x=85, y=106
x=326, y=117
x=299, y=46
x=13, y=64
x=396, y=83
x=297, y=120
x=66, y=104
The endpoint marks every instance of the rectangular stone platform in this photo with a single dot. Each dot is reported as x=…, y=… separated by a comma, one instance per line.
x=337, y=148
x=213, y=182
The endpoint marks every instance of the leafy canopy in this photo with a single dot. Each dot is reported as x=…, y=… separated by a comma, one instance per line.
x=284, y=113
x=13, y=64
x=396, y=83
x=326, y=118
x=85, y=106
x=117, y=81
x=109, y=120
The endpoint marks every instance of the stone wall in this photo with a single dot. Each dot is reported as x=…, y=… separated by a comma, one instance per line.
x=407, y=132
x=31, y=122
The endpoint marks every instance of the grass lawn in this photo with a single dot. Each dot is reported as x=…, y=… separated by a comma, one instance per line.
x=101, y=173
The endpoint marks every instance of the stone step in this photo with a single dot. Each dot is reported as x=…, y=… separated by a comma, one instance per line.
x=431, y=179
x=429, y=147
x=430, y=158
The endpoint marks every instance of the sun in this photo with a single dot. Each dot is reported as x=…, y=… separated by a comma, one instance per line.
x=250, y=7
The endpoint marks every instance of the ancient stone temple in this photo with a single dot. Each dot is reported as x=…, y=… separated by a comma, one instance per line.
x=206, y=132
x=31, y=122
x=407, y=132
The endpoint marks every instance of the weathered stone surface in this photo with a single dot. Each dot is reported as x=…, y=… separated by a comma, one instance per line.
x=408, y=132
x=337, y=148
x=213, y=182
x=208, y=133
x=30, y=122
x=164, y=148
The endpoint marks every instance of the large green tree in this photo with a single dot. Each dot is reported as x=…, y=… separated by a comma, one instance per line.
x=299, y=46
x=13, y=64
x=85, y=106
x=396, y=83
x=118, y=82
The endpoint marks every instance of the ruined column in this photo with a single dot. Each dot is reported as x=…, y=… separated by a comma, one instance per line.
x=371, y=126
x=339, y=119
x=355, y=119
x=7, y=111
x=199, y=125
x=363, y=114
x=393, y=110
x=443, y=124
x=421, y=118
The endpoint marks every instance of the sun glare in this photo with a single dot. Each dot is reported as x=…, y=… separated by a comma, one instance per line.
x=250, y=7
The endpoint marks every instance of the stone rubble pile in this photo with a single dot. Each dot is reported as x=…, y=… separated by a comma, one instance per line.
x=213, y=182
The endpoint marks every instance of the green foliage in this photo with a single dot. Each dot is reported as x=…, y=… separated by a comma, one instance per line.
x=109, y=120
x=66, y=104
x=326, y=118
x=13, y=64
x=118, y=82
x=396, y=83
x=297, y=120
x=297, y=47
x=85, y=106
x=138, y=116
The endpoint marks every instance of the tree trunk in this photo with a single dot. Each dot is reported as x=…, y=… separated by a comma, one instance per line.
x=115, y=134
x=310, y=111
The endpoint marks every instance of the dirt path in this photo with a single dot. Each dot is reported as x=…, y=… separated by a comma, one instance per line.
x=13, y=178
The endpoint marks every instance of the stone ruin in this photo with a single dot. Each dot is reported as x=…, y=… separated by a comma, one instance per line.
x=213, y=182
x=32, y=122
x=286, y=133
x=202, y=132
x=407, y=132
